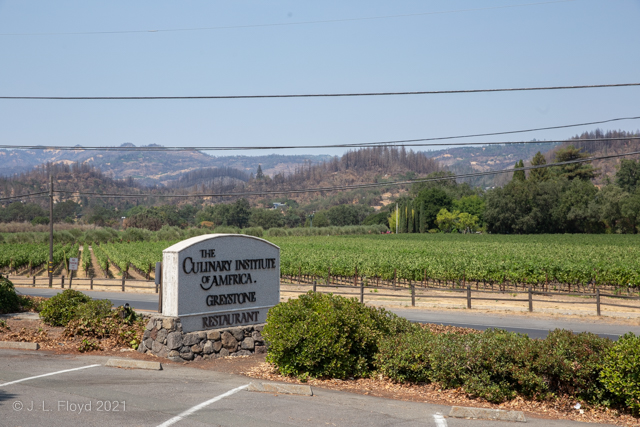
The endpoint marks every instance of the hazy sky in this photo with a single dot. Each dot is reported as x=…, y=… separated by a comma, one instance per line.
x=544, y=44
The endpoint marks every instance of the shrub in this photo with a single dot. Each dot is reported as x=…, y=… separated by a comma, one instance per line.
x=137, y=235
x=121, y=326
x=571, y=363
x=226, y=230
x=491, y=365
x=405, y=357
x=9, y=299
x=324, y=335
x=621, y=371
x=276, y=232
x=94, y=309
x=253, y=231
x=61, y=308
x=167, y=233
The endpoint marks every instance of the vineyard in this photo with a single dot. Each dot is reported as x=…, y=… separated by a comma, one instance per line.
x=580, y=260
x=596, y=260
x=32, y=256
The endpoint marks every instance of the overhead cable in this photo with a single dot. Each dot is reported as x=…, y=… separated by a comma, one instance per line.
x=318, y=95
x=282, y=24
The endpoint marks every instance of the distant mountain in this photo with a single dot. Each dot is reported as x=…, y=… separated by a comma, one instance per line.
x=150, y=168
x=461, y=160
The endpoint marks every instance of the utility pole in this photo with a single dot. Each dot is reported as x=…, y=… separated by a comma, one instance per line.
x=397, y=219
x=50, y=266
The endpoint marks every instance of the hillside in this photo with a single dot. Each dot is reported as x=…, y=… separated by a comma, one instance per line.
x=149, y=168
x=608, y=146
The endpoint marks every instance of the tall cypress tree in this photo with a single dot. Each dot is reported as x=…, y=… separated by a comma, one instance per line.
x=519, y=175
x=542, y=174
x=423, y=219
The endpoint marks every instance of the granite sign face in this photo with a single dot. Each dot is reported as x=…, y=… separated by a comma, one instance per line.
x=220, y=280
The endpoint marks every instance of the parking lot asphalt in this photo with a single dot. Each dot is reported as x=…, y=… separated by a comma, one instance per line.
x=77, y=393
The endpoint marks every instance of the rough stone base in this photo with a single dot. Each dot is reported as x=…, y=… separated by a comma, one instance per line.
x=163, y=337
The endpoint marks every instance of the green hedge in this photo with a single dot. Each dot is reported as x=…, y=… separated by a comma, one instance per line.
x=498, y=365
x=621, y=371
x=323, y=335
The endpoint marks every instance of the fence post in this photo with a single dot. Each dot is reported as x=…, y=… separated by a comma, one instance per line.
x=413, y=294
x=62, y=282
x=395, y=277
x=314, y=286
x=34, y=281
x=469, y=296
x=361, y=291
x=124, y=273
x=91, y=282
x=158, y=275
x=598, y=301
x=355, y=277
x=70, y=279
x=160, y=291
x=530, y=299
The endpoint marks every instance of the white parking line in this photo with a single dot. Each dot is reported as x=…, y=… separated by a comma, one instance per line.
x=47, y=375
x=200, y=406
x=439, y=419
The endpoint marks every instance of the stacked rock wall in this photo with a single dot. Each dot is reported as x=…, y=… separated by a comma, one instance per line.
x=163, y=337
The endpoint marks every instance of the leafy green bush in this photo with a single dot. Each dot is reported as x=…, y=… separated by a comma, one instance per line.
x=276, y=232
x=253, y=231
x=9, y=299
x=491, y=365
x=94, y=309
x=571, y=363
x=499, y=365
x=621, y=371
x=405, y=357
x=324, y=335
x=61, y=308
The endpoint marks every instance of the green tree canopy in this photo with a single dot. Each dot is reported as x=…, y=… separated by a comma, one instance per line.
x=542, y=174
x=519, y=175
x=583, y=171
x=628, y=175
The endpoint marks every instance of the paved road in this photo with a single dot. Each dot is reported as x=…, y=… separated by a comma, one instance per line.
x=102, y=396
x=535, y=328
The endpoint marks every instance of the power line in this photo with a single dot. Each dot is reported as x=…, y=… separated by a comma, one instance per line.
x=345, y=187
x=29, y=195
x=405, y=142
x=318, y=95
x=282, y=24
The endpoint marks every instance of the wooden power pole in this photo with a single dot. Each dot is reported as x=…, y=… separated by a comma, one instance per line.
x=50, y=266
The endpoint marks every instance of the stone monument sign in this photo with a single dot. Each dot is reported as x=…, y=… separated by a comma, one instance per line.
x=219, y=281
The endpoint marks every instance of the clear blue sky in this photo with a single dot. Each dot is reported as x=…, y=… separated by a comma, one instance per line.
x=561, y=43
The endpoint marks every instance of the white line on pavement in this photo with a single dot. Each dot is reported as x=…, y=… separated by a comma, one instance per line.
x=200, y=406
x=47, y=375
x=440, y=421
